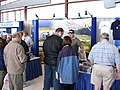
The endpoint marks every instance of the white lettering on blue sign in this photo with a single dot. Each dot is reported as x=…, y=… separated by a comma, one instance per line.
x=10, y=24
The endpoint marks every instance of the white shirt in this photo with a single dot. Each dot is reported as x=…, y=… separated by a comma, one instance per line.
x=104, y=26
x=28, y=41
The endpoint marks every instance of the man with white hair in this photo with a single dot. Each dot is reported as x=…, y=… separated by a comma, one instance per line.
x=14, y=57
x=105, y=59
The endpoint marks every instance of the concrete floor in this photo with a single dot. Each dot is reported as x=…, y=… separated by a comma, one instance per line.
x=36, y=84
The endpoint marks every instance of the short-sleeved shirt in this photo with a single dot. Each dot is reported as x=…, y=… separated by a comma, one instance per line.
x=76, y=43
x=104, y=26
x=115, y=26
x=28, y=40
x=104, y=53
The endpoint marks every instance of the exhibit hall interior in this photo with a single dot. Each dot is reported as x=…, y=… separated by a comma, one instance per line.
x=41, y=41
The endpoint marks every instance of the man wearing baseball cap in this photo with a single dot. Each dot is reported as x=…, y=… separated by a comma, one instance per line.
x=71, y=31
x=76, y=43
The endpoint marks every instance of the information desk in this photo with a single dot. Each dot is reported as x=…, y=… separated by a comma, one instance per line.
x=83, y=83
x=33, y=68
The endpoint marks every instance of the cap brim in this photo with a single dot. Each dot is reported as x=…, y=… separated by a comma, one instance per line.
x=70, y=32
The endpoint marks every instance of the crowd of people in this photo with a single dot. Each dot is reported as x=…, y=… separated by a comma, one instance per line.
x=61, y=60
x=61, y=56
x=14, y=53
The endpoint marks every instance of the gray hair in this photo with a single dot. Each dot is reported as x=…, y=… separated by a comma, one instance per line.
x=104, y=36
x=16, y=34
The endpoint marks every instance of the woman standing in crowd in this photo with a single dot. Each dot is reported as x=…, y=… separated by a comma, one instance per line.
x=68, y=65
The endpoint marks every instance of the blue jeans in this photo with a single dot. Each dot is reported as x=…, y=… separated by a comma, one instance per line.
x=49, y=77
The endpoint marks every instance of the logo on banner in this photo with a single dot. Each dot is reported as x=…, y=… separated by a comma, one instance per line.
x=9, y=24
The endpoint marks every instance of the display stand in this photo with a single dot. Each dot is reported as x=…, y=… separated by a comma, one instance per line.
x=33, y=68
x=83, y=83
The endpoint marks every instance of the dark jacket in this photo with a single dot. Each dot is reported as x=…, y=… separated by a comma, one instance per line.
x=26, y=48
x=2, y=64
x=2, y=45
x=51, y=48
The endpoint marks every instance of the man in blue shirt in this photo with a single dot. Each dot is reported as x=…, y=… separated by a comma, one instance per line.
x=105, y=57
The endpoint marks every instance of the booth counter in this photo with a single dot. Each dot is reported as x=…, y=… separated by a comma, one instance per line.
x=83, y=83
x=33, y=68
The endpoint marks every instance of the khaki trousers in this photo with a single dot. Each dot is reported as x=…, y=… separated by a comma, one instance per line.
x=15, y=81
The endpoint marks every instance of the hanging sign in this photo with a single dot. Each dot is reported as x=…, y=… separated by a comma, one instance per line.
x=9, y=24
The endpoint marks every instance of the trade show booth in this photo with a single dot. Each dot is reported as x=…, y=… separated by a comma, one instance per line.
x=88, y=30
x=112, y=27
x=96, y=27
x=33, y=67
